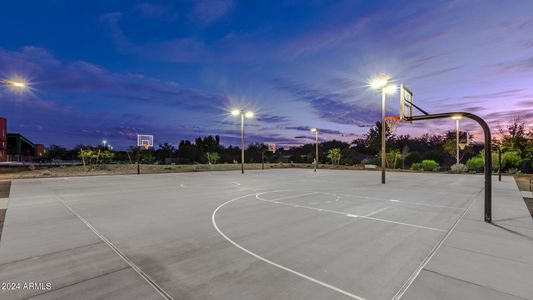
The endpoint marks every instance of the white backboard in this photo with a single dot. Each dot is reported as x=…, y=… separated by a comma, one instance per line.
x=145, y=140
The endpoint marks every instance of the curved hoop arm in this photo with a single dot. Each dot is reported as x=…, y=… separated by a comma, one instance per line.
x=487, y=150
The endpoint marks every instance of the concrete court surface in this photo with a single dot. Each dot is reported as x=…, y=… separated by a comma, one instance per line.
x=273, y=234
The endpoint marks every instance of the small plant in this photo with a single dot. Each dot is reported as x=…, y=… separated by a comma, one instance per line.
x=475, y=164
x=212, y=157
x=459, y=168
x=429, y=165
x=334, y=155
x=416, y=166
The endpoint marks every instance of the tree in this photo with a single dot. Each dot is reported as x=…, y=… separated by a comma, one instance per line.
x=94, y=157
x=212, y=157
x=56, y=152
x=517, y=138
x=393, y=157
x=165, y=151
x=334, y=155
x=373, y=138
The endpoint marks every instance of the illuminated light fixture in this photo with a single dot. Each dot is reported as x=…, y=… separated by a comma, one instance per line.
x=313, y=129
x=457, y=117
x=235, y=112
x=18, y=84
x=379, y=82
x=249, y=114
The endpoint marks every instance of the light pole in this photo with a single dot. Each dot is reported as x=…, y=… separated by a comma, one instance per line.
x=315, y=130
x=457, y=118
x=382, y=83
x=104, y=142
x=248, y=115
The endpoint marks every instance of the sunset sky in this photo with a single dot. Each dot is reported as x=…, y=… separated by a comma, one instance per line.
x=174, y=69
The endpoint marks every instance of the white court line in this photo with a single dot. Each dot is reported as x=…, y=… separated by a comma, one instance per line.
x=415, y=274
x=346, y=214
x=329, y=286
x=136, y=268
x=403, y=201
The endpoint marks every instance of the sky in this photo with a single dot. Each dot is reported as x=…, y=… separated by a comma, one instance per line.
x=175, y=69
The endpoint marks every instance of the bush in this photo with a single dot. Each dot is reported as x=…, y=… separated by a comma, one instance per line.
x=413, y=157
x=429, y=165
x=511, y=160
x=476, y=164
x=458, y=168
x=416, y=166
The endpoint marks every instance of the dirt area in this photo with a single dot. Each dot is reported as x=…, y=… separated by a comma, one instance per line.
x=5, y=187
x=120, y=169
x=524, y=182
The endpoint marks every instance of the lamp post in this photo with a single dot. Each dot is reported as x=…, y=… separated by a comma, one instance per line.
x=457, y=118
x=315, y=130
x=243, y=114
x=382, y=83
x=104, y=142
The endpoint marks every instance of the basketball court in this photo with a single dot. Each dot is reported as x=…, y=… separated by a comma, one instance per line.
x=273, y=234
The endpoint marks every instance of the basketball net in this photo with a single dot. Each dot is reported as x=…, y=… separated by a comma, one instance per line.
x=146, y=146
x=393, y=122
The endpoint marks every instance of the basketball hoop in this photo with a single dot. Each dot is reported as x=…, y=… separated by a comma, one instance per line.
x=462, y=146
x=145, y=141
x=393, y=122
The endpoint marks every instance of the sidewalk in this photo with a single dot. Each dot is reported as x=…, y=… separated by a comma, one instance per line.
x=480, y=260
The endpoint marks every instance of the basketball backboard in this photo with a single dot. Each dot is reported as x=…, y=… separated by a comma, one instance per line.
x=145, y=140
x=406, y=103
x=272, y=148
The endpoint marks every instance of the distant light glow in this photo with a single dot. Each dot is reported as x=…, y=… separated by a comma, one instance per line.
x=314, y=129
x=457, y=117
x=379, y=81
x=16, y=83
x=235, y=112
x=249, y=114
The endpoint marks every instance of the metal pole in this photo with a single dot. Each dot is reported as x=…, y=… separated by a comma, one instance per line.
x=263, y=160
x=383, y=128
x=500, y=163
x=316, y=142
x=488, y=153
x=242, y=142
x=457, y=140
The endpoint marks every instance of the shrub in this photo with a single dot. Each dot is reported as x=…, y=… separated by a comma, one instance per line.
x=458, y=168
x=476, y=164
x=429, y=165
x=415, y=166
x=511, y=160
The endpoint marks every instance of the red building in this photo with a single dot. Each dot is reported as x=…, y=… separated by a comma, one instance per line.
x=15, y=147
